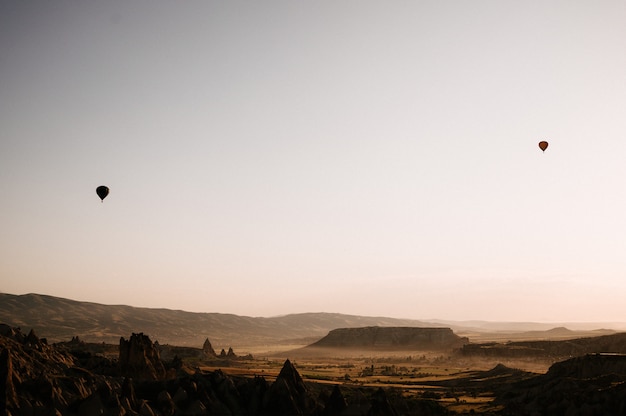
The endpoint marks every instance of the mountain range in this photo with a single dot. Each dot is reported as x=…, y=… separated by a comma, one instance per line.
x=59, y=319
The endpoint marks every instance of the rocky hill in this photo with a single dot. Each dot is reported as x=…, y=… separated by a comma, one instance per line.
x=41, y=379
x=555, y=350
x=390, y=338
x=61, y=319
x=37, y=378
x=593, y=384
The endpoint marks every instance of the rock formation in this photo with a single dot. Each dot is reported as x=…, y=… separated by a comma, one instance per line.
x=336, y=403
x=393, y=338
x=39, y=379
x=207, y=349
x=8, y=396
x=140, y=359
x=230, y=354
x=556, y=350
x=288, y=394
x=593, y=384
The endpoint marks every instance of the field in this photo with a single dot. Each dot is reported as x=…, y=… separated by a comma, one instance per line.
x=461, y=385
x=474, y=382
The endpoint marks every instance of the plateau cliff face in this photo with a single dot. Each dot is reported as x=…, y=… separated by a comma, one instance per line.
x=375, y=337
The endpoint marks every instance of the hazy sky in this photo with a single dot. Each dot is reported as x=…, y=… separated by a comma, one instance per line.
x=274, y=157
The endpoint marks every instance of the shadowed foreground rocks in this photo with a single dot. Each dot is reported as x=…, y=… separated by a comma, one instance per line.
x=66, y=379
x=140, y=359
x=589, y=385
x=38, y=379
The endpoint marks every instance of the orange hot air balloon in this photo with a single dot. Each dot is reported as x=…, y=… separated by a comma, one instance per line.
x=543, y=145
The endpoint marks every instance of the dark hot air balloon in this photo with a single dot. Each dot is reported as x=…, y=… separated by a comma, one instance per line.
x=543, y=145
x=102, y=192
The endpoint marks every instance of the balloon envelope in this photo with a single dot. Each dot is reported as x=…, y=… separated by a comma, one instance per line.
x=543, y=145
x=102, y=192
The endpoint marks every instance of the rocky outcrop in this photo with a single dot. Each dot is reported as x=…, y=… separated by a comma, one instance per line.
x=230, y=354
x=39, y=379
x=589, y=366
x=288, y=394
x=140, y=358
x=593, y=384
x=207, y=349
x=381, y=405
x=336, y=403
x=8, y=396
x=555, y=350
x=392, y=338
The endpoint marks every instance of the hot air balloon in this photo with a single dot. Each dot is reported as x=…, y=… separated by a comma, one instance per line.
x=102, y=192
x=543, y=145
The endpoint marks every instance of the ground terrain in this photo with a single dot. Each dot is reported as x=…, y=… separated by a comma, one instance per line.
x=376, y=363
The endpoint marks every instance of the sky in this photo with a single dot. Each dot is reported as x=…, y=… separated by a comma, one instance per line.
x=373, y=158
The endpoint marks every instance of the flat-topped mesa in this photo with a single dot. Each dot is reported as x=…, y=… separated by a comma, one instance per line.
x=376, y=337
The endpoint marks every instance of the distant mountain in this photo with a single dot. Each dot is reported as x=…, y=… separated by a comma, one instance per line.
x=521, y=327
x=59, y=319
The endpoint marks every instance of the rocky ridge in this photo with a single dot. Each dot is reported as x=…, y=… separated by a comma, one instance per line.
x=60, y=319
x=41, y=379
x=556, y=350
x=592, y=384
x=66, y=379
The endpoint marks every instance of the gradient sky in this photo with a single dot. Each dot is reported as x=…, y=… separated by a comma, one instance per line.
x=363, y=157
